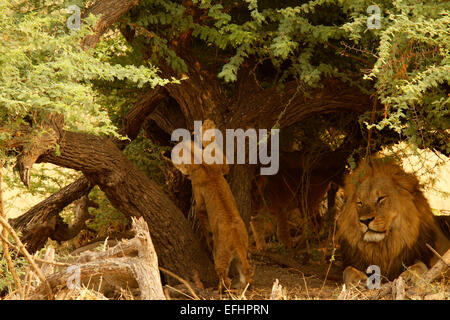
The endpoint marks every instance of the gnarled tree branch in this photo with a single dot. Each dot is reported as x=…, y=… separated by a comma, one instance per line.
x=134, y=194
x=39, y=223
x=110, y=12
x=264, y=109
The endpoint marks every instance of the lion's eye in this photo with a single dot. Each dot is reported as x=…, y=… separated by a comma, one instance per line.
x=380, y=200
x=359, y=203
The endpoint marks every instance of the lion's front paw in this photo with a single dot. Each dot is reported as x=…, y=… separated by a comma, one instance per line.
x=353, y=277
x=224, y=283
x=414, y=273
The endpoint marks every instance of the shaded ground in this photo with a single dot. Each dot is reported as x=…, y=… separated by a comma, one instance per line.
x=305, y=281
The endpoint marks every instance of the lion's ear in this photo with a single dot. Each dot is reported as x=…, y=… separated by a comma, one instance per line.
x=406, y=181
x=208, y=124
x=225, y=169
x=183, y=168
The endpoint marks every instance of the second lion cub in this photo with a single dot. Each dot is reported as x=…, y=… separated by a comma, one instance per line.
x=218, y=214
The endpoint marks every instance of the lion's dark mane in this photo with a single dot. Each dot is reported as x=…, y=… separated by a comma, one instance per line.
x=393, y=268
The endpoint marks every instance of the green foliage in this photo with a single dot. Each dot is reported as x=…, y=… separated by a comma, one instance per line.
x=146, y=156
x=45, y=180
x=405, y=63
x=105, y=219
x=44, y=68
x=412, y=71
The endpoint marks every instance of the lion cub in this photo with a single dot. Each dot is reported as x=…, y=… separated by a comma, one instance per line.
x=218, y=214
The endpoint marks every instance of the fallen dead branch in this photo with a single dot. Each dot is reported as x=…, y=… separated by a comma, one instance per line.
x=421, y=289
x=278, y=293
x=398, y=289
x=131, y=264
x=440, y=268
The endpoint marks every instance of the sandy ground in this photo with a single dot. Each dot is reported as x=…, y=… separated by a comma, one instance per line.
x=17, y=201
x=434, y=174
x=303, y=283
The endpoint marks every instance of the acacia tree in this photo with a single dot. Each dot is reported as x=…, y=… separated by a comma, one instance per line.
x=158, y=65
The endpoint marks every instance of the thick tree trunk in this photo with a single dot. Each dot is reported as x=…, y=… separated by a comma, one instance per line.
x=241, y=178
x=134, y=194
x=65, y=232
x=146, y=104
x=42, y=221
x=264, y=109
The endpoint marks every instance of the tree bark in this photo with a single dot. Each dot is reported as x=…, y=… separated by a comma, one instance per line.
x=130, y=264
x=134, y=194
x=440, y=268
x=200, y=96
x=109, y=11
x=40, y=222
x=241, y=179
x=263, y=109
x=63, y=231
x=146, y=104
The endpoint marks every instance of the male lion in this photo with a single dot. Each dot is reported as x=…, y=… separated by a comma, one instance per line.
x=218, y=214
x=387, y=221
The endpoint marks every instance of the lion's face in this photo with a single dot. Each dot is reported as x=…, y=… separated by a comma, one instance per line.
x=374, y=208
x=386, y=220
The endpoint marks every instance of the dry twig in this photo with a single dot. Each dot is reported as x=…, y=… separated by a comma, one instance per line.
x=4, y=241
x=27, y=255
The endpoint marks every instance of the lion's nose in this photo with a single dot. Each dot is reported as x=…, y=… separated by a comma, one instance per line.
x=366, y=221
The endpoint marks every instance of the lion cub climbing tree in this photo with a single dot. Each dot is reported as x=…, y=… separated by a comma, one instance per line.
x=217, y=211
